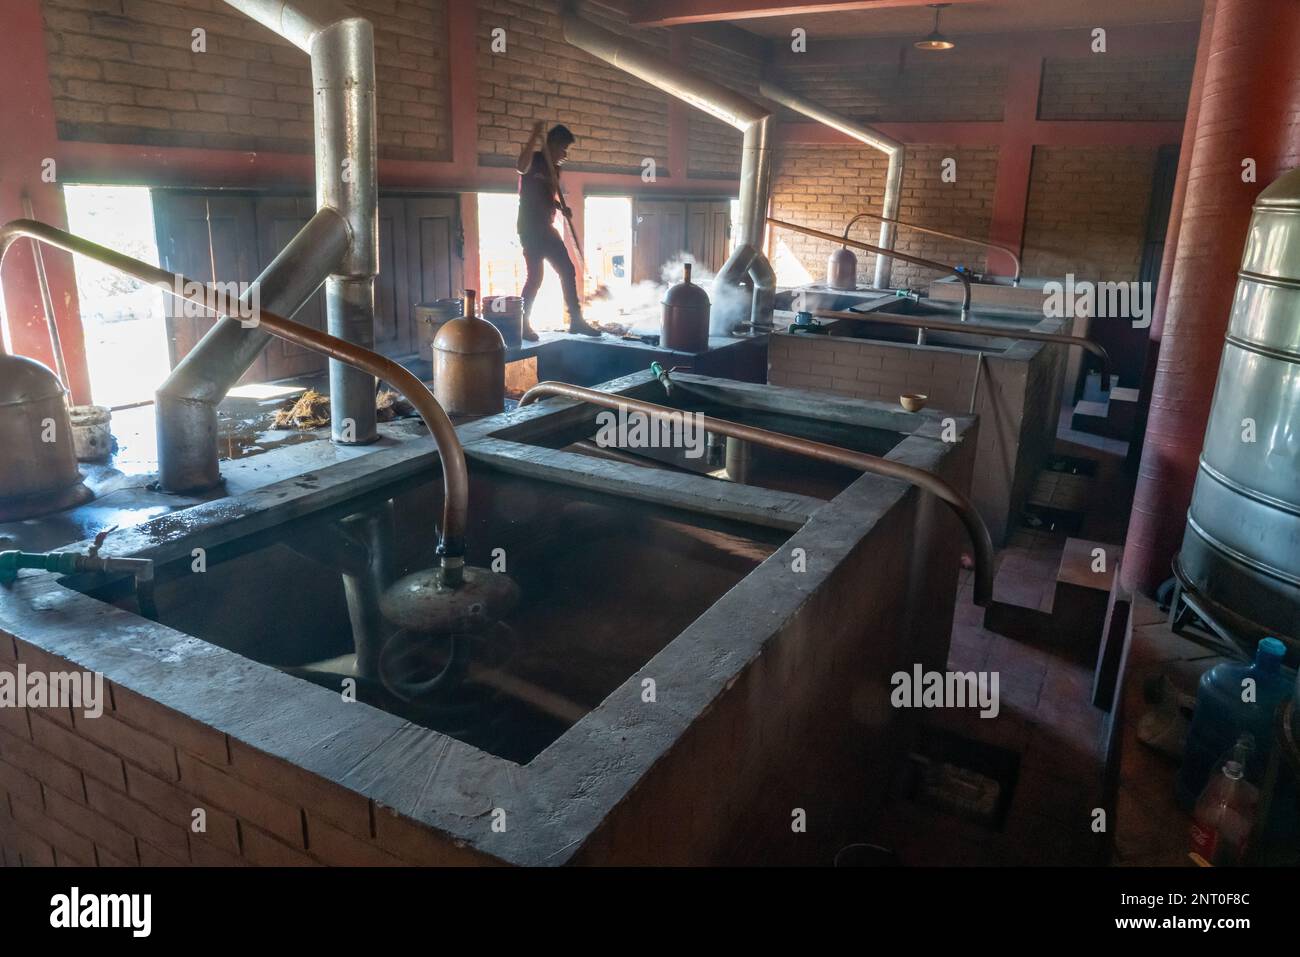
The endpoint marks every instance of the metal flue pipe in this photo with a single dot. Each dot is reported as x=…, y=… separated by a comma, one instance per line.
x=892, y=148
x=1015, y=258
x=753, y=120
x=980, y=329
x=341, y=47
x=451, y=455
x=906, y=257
x=981, y=543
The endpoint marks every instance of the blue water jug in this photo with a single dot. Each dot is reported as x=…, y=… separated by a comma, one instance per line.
x=1223, y=713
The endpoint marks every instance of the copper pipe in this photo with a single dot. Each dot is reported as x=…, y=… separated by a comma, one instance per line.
x=978, y=329
x=905, y=257
x=455, y=475
x=1015, y=280
x=981, y=543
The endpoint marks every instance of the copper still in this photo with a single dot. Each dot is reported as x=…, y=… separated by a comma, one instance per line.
x=469, y=364
x=842, y=269
x=686, y=316
x=38, y=470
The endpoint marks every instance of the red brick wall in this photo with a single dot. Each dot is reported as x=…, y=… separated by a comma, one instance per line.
x=715, y=146
x=930, y=91
x=618, y=120
x=1087, y=211
x=822, y=186
x=1105, y=87
x=122, y=71
x=121, y=789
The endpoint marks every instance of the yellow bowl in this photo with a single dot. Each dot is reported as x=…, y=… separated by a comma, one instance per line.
x=913, y=401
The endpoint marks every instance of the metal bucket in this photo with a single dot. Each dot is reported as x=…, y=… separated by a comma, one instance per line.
x=429, y=318
x=507, y=314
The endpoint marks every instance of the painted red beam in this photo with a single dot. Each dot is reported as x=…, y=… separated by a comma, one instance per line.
x=30, y=141
x=1126, y=41
x=671, y=13
x=1040, y=133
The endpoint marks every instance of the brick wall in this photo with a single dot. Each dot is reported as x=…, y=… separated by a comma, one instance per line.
x=618, y=119
x=1087, y=211
x=822, y=186
x=121, y=789
x=1104, y=87
x=714, y=146
x=930, y=91
x=123, y=71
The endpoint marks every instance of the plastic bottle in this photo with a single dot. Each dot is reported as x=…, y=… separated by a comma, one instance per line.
x=1223, y=818
x=1233, y=698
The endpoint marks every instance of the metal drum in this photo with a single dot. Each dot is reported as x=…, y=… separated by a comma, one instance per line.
x=686, y=316
x=1241, y=550
x=430, y=317
x=38, y=467
x=469, y=365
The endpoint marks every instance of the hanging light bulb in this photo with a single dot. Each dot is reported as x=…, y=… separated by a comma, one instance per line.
x=935, y=40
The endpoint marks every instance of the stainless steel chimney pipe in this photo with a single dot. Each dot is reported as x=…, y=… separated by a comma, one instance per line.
x=891, y=147
x=339, y=243
x=752, y=119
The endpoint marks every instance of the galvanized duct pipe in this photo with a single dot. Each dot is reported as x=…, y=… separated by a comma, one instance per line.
x=338, y=247
x=753, y=120
x=891, y=147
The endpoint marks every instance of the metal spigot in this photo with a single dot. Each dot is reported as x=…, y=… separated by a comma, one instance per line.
x=71, y=563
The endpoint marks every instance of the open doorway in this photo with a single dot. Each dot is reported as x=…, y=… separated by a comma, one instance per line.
x=501, y=261
x=607, y=243
x=122, y=318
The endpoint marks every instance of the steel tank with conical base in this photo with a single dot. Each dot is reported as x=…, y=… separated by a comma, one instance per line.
x=1241, y=550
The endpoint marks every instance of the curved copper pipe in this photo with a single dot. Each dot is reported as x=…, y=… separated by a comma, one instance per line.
x=981, y=543
x=905, y=257
x=1015, y=280
x=978, y=329
x=455, y=475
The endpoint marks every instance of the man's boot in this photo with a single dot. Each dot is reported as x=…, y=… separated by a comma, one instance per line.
x=527, y=331
x=580, y=327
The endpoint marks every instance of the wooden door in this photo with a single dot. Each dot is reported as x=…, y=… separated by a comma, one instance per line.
x=709, y=232
x=434, y=255
x=206, y=238
x=279, y=218
x=394, y=332
x=658, y=235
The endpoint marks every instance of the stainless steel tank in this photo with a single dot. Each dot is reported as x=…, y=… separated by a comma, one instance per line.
x=38, y=459
x=1241, y=549
x=686, y=316
x=469, y=364
x=842, y=269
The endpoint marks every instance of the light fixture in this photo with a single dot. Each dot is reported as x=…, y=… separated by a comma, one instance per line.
x=935, y=40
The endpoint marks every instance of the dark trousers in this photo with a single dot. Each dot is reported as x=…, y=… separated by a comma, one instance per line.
x=543, y=247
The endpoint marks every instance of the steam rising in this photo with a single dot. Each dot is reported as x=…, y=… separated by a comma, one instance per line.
x=640, y=308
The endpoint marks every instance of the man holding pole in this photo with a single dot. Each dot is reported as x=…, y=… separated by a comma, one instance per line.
x=539, y=198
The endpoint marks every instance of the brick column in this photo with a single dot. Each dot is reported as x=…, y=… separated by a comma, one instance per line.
x=1249, y=108
x=29, y=138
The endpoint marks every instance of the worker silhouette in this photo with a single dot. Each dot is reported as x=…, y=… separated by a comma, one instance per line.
x=539, y=198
